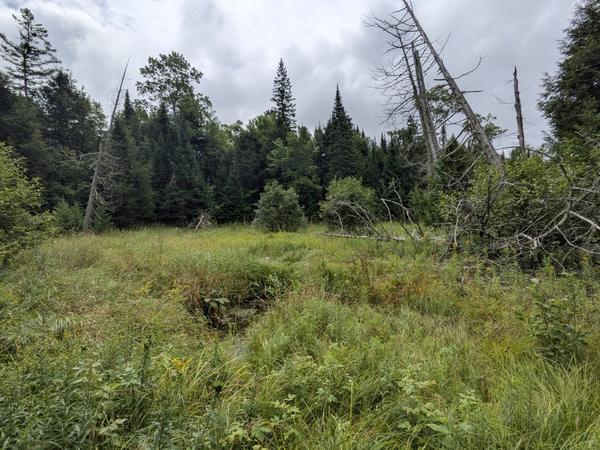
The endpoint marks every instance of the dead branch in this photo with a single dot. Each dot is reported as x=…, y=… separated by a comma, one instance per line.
x=103, y=160
x=519, y=111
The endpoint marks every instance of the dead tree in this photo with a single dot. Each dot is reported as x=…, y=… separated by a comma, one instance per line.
x=102, y=161
x=558, y=222
x=433, y=146
x=397, y=80
x=519, y=111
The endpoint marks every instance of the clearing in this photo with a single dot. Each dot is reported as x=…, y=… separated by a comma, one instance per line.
x=231, y=338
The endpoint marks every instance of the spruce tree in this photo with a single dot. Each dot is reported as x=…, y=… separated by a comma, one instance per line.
x=339, y=152
x=292, y=163
x=22, y=128
x=73, y=124
x=571, y=98
x=133, y=202
x=31, y=59
x=285, y=107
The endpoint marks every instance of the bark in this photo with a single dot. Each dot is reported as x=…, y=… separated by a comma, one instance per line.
x=103, y=148
x=519, y=110
x=486, y=144
x=433, y=146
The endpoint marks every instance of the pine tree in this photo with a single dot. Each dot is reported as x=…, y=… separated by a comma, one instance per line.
x=73, y=124
x=340, y=153
x=404, y=160
x=374, y=175
x=21, y=128
x=235, y=202
x=571, y=98
x=133, y=197
x=319, y=138
x=31, y=60
x=161, y=136
x=177, y=180
x=170, y=80
x=292, y=163
x=285, y=107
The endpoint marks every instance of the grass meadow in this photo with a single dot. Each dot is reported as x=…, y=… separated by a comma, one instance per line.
x=232, y=339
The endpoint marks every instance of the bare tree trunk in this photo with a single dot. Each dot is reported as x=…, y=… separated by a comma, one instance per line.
x=91, y=204
x=486, y=144
x=444, y=136
x=433, y=146
x=519, y=110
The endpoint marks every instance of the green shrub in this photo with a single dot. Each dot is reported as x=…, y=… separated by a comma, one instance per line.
x=525, y=212
x=348, y=204
x=558, y=335
x=425, y=206
x=279, y=210
x=21, y=224
x=68, y=218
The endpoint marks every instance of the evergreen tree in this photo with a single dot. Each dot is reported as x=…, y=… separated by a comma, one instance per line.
x=72, y=119
x=321, y=161
x=217, y=147
x=133, y=197
x=571, y=98
x=404, y=161
x=292, y=163
x=178, y=130
x=31, y=59
x=177, y=179
x=73, y=124
x=21, y=128
x=339, y=152
x=235, y=203
x=361, y=149
x=455, y=166
x=374, y=174
x=285, y=107
x=161, y=136
x=248, y=168
x=170, y=80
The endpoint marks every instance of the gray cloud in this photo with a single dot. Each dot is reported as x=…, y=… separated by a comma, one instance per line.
x=237, y=45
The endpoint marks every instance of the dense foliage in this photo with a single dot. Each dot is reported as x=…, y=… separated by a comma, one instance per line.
x=173, y=158
x=361, y=345
x=416, y=336
x=278, y=209
x=571, y=97
x=21, y=224
x=347, y=204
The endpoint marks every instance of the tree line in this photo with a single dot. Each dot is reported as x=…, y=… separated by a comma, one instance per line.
x=170, y=160
x=172, y=157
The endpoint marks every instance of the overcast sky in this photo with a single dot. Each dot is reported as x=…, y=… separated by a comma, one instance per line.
x=237, y=44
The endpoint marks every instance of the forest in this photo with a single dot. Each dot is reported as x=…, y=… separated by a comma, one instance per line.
x=171, y=281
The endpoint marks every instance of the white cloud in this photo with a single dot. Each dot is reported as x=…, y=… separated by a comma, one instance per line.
x=237, y=45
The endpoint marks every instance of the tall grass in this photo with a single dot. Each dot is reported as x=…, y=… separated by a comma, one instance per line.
x=355, y=344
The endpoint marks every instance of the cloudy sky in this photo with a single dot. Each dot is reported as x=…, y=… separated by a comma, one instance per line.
x=237, y=44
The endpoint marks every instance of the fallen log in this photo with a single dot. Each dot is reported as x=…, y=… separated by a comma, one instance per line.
x=358, y=236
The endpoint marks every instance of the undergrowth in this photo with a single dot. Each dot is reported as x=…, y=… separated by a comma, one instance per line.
x=231, y=339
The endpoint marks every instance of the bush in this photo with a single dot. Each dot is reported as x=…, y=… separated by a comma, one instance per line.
x=425, y=206
x=279, y=210
x=68, y=218
x=21, y=225
x=347, y=204
x=526, y=214
x=555, y=325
